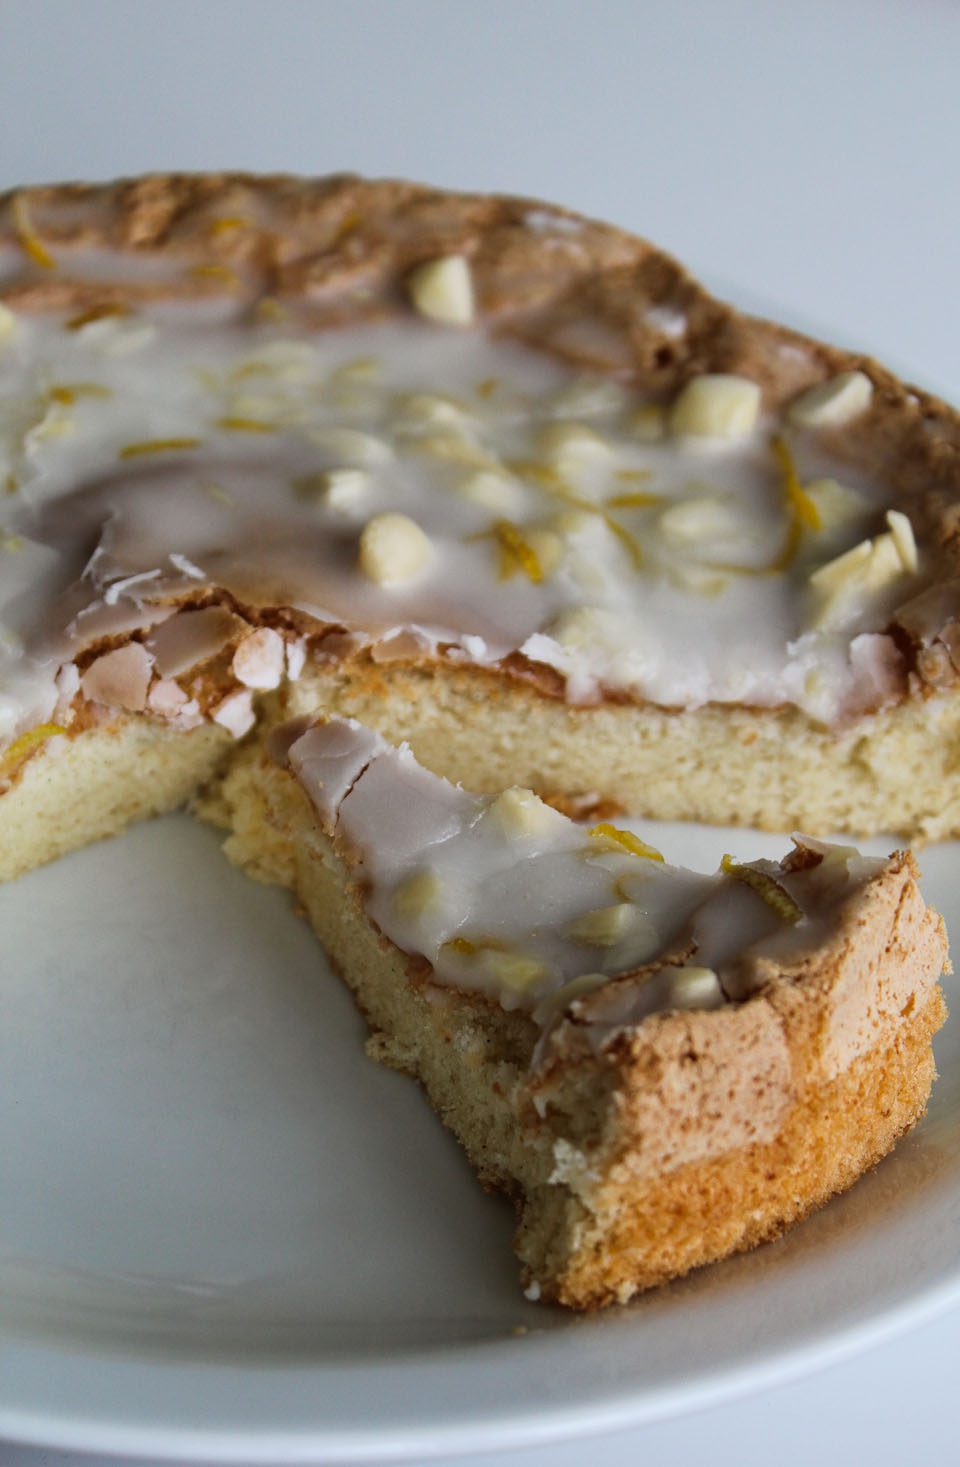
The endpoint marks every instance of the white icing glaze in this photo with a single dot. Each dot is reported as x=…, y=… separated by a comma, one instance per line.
x=98, y=537
x=505, y=903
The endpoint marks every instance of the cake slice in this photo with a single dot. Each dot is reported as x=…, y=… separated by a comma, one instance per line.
x=659, y=1067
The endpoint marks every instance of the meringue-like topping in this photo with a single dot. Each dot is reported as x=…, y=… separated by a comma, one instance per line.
x=505, y=896
x=468, y=493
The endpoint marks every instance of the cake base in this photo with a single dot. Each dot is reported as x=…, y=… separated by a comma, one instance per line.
x=769, y=769
x=99, y=781
x=696, y=1135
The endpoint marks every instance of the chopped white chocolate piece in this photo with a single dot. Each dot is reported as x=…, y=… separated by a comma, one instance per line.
x=842, y=569
x=519, y=812
x=903, y=537
x=254, y=411
x=430, y=409
x=258, y=661
x=287, y=358
x=693, y=988
x=582, y=627
x=442, y=290
x=604, y=927
x=837, y=581
x=495, y=492
x=831, y=403
x=393, y=549
x=123, y=338
x=351, y=447
x=884, y=566
x=588, y=397
x=361, y=369
x=235, y=713
x=871, y=566
x=513, y=970
x=418, y=894
x=693, y=577
x=456, y=447
x=693, y=520
x=548, y=548
x=342, y=490
x=569, y=524
x=555, y=1003
x=835, y=503
x=57, y=421
x=572, y=444
x=716, y=405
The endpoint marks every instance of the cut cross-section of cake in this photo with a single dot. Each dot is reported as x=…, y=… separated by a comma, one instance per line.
x=660, y=1067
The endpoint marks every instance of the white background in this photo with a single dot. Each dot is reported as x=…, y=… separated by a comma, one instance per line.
x=799, y=155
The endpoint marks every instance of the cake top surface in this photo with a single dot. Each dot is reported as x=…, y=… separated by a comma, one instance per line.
x=505, y=896
x=439, y=426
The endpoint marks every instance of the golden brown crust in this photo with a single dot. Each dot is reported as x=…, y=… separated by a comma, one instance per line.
x=735, y=1200
x=735, y=1123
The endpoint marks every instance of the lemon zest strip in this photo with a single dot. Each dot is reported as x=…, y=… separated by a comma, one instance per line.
x=158, y=445
x=228, y=222
x=548, y=478
x=96, y=313
x=626, y=839
x=515, y=552
x=801, y=505
x=215, y=272
x=466, y=947
x=68, y=392
x=26, y=745
x=27, y=238
x=776, y=897
x=803, y=515
x=246, y=425
x=638, y=500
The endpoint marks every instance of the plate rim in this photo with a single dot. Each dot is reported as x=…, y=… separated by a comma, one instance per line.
x=604, y=1413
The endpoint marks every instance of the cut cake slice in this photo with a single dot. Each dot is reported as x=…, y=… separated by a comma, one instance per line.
x=660, y=1068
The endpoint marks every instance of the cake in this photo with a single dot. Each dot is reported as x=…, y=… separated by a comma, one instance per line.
x=659, y=1067
x=502, y=484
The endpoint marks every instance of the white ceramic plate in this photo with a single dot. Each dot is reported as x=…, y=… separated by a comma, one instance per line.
x=225, y=1233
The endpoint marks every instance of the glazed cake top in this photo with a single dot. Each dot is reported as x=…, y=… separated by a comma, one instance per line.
x=505, y=896
x=438, y=426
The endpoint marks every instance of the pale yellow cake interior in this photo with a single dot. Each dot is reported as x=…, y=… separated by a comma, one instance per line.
x=768, y=769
